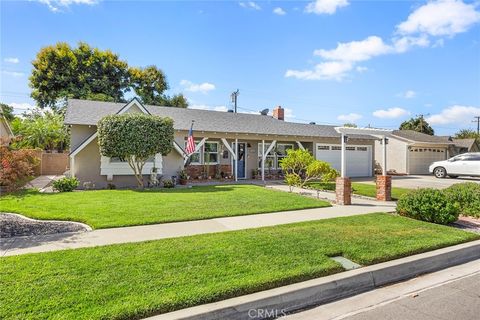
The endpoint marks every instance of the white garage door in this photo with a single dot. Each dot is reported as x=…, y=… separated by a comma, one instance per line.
x=419, y=159
x=359, y=158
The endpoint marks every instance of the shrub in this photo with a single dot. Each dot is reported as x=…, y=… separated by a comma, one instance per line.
x=16, y=166
x=65, y=184
x=467, y=196
x=168, y=183
x=429, y=205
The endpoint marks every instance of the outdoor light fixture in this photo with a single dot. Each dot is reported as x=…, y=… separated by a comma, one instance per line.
x=345, y=138
x=386, y=141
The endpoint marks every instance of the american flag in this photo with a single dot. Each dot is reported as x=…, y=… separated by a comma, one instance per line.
x=190, y=142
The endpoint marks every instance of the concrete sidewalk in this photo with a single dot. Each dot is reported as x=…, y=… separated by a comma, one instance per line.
x=22, y=245
x=42, y=183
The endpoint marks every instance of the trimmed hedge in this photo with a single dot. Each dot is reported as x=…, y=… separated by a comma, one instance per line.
x=429, y=205
x=467, y=196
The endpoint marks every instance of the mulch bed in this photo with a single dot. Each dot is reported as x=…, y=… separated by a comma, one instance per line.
x=468, y=224
x=12, y=225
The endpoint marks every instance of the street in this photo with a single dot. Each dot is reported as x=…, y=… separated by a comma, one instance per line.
x=452, y=293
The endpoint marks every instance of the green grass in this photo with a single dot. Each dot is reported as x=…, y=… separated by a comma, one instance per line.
x=117, y=208
x=131, y=281
x=363, y=189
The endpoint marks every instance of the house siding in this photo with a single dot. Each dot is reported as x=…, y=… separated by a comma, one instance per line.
x=396, y=155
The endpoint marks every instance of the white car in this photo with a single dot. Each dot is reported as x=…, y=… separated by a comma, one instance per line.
x=466, y=164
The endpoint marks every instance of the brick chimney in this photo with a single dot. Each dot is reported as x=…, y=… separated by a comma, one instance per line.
x=279, y=113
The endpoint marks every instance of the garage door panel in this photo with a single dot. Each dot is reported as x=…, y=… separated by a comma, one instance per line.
x=420, y=158
x=359, y=158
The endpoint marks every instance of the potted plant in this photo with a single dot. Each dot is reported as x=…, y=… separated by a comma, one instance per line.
x=183, y=177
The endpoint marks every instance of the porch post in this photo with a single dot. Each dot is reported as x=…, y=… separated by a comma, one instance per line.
x=344, y=160
x=263, y=160
x=384, y=155
x=236, y=159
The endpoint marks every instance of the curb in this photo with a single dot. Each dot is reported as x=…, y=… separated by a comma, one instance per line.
x=283, y=300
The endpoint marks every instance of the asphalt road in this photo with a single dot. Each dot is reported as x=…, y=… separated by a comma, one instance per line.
x=459, y=300
x=449, y=294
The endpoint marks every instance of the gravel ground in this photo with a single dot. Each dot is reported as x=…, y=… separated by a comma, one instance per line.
x=12, y=225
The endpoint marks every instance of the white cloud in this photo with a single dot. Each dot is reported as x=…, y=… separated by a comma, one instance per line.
x=207, y=107
x=361, y=69
x=409, y=94
x=351, y=117
x=436, y=18
x=330, y=70
x=250, y=5
x=13, y=73
x=356, y=50
x=440, y=18
x=200, y=87
x=455, y=114
x=391, y=113
x=57, y=5
x=19, y=108
x=325, y=6
x=279, y=11
x=12, y=60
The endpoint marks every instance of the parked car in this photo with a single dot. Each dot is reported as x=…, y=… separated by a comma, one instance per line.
x=466, y=164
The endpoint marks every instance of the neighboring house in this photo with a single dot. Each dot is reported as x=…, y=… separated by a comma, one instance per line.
x=466, y=145
x=216, y=133
x=411, y=152
x=6, y=133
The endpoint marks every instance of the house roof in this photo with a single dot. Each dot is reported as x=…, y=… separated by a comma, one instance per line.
x=87, y=112
x=464, y=143
x=415, y=136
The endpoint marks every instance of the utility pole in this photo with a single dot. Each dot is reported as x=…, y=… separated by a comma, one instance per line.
x=234, y=97
x=477, y=120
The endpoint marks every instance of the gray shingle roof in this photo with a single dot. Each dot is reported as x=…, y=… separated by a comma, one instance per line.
x=465, y=143
x=420, y=137
x=88, y=112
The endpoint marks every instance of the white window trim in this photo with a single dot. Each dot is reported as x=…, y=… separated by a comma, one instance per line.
x=108, y=168
x=203, y=153
x=273, y=155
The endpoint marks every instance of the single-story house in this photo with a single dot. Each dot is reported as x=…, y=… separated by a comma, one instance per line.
x=466, y=145
x=6, y=133
x=225, y=140
x=411, y=152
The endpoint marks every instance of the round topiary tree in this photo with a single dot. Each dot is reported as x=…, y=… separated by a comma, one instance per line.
x=135, y=137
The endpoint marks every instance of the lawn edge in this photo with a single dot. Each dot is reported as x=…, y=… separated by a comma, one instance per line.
x=310, y=293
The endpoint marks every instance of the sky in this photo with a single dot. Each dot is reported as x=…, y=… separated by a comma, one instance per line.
x=374, y=63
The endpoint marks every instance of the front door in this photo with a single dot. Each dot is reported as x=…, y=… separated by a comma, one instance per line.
x=241, y=152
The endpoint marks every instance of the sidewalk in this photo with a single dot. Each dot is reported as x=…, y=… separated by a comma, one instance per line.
x=22, y=245
x=42, y=182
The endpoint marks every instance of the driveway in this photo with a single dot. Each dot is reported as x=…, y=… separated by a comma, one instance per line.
x=421, y=181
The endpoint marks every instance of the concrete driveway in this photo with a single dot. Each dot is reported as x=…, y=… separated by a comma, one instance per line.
x=421, y=181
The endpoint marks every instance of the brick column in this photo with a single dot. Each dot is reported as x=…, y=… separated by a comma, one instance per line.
x=384, y=188
x=343, y=191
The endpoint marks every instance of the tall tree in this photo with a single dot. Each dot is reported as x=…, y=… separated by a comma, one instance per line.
x=150, y=84
x=467, y=134
x=7, y=111
x=61, y=71
x=418, y=124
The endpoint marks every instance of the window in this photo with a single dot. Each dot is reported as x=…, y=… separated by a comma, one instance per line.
x=194, y=157
x=207, y=154
x=362, y=148
x=272, y=160
x=323, y=148
x=336, y=148
x=210, y=153
x=350, y=148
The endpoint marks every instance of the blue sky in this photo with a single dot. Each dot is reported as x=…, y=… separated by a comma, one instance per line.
x=329, y=61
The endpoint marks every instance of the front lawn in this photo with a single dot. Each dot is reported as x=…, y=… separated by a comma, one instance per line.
x=363, y=189
x=131, y=281
x=117, y=208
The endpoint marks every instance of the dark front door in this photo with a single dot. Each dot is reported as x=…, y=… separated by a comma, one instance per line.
x=241, y=161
